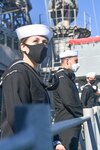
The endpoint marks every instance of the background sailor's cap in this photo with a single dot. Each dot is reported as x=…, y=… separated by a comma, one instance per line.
x=91, y=74
x=34, y=29
x=68, y=53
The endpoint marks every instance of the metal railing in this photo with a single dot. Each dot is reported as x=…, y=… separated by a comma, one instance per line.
x=34, y=130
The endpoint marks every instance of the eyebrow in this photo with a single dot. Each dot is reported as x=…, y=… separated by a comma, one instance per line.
x=37, y=38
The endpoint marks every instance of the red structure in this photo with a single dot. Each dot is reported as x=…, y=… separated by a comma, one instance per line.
x=84, y=40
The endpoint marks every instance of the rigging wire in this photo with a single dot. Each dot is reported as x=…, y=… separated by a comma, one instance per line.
x=95, y=17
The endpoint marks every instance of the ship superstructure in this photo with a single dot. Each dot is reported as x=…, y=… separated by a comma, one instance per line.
x=13, y=14
x=63, y=20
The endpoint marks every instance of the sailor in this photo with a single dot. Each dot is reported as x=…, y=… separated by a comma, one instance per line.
x=66, y=98
x=21, y=84
x=88, y=96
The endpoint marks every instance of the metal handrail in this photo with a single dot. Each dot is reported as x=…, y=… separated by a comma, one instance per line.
x=62, y=125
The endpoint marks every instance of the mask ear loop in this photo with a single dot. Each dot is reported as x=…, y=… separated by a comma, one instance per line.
x=23, y=51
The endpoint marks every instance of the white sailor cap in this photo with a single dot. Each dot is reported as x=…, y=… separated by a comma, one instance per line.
x=34, y=29
x=91, y=74
x=68, y=53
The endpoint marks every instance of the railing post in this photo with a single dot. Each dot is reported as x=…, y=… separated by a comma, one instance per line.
x=98, y=112
x=97, y=125
x=89, y=130
x=82, y=140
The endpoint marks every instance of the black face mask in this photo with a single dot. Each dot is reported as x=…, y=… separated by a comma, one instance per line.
x=37, y=52
x=92, y=82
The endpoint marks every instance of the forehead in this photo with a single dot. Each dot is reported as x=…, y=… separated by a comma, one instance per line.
x=74, y=58
x=31, y=38
x=91, y=78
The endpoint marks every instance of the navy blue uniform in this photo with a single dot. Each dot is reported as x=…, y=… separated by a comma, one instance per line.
x=21, y=85
x=88, y=96
x=67, y=106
